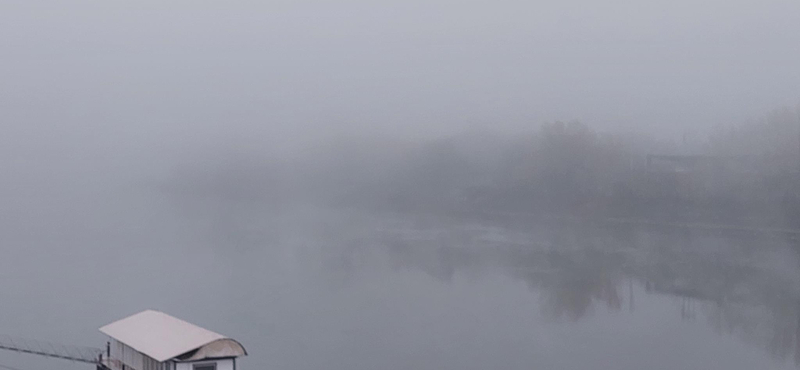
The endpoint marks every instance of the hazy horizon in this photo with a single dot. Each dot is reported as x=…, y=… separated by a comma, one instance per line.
x=294, y=73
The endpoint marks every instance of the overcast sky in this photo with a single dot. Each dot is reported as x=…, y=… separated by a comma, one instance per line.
x=97, y=74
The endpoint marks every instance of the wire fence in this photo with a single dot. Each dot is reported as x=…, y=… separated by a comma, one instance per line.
x=54, y=350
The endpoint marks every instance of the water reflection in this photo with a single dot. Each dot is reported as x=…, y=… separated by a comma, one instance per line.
x=348, y=291
x=744, y=288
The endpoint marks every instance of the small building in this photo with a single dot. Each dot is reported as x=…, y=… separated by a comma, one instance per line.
x=152, y=340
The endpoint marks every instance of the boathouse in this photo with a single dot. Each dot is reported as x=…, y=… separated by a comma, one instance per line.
x=153, y=340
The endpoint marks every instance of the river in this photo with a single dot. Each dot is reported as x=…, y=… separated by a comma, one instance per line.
x=335, y=289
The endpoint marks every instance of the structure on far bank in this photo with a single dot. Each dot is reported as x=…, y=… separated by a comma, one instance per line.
x=153, y=340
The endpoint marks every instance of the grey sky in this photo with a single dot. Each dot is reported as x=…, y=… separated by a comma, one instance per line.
x=100, y=72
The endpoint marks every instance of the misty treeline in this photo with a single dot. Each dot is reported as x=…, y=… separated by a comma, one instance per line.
x=744, y=173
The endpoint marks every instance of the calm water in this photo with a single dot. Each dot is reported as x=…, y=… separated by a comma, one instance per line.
x=338, y=290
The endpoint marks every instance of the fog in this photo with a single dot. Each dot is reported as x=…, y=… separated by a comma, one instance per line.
x=303, y=70
x=447, y=185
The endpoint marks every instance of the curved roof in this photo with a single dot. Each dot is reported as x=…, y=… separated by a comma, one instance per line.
x=163, y=337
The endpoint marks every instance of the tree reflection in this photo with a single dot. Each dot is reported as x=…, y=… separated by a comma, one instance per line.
x=574, y=286
x=574, y=296
x=733, y=285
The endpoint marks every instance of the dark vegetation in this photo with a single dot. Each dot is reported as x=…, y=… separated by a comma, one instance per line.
x=744, y=175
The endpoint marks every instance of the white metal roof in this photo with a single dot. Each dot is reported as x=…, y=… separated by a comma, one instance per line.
x=163, y=337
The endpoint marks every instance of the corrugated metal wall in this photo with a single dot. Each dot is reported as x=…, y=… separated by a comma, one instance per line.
x=133, y=359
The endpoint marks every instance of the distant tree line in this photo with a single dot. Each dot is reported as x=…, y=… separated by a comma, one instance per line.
x=742, y=174
x=746, y=173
